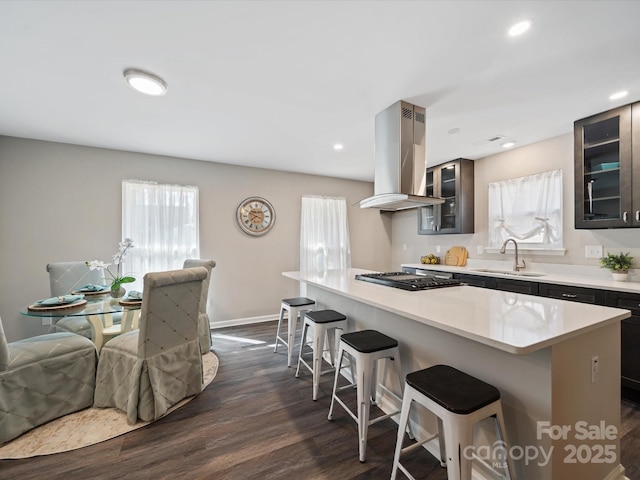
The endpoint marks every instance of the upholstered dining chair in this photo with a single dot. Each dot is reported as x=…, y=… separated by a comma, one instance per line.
x=42, y=378
x=64, y=277
x=145, y=372
x=204, y=327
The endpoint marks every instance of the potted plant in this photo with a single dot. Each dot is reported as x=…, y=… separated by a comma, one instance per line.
x=619, y=265
x=117, y=279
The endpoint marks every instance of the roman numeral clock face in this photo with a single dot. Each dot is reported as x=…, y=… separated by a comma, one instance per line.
x=256, y=216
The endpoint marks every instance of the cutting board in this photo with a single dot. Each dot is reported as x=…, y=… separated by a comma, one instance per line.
x=456, y=256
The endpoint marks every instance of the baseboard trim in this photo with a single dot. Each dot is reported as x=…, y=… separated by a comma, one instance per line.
x=243, y=321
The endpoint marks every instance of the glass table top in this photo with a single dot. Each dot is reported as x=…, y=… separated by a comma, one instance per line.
x=92, y=306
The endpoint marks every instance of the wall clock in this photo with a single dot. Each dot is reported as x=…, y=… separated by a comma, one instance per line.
x=256, y=216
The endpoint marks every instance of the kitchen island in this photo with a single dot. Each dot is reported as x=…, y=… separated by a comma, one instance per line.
x=562, y=418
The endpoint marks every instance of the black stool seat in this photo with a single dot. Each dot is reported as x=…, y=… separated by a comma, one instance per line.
x=368, y=341
x=298, y=301
x=325, y=316
x=456, y=391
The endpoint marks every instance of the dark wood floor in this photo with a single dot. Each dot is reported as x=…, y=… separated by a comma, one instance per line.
x=256, y=421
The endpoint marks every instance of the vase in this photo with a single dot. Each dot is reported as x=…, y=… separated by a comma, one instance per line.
x=620, y=276
x=118, y=292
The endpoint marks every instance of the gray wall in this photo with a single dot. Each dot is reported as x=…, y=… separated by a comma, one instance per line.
x=552, y=154
x=62, y=202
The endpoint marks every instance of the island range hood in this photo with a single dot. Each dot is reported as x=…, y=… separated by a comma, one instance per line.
x=400, y=168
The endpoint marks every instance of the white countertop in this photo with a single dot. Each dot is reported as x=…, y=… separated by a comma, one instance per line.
x=511, y=322
x=575, y=276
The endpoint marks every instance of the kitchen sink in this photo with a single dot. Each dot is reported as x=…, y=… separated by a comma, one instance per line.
x=507, y=272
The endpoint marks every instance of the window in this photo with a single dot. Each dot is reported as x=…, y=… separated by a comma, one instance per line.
x=324, y=234
x=162, y=221
x=528, y=209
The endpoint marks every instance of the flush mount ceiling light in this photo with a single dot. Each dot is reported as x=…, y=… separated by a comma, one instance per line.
x=145, y=82
x=618, y=95
x=519, y=28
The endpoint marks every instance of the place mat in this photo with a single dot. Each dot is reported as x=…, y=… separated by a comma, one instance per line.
x=42, y=308
x=126, y=302
x=106, y=291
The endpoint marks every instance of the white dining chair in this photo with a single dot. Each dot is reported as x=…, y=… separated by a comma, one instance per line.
x=204, y=326
x=145, y=372
x=65, y=277
x=42, y=378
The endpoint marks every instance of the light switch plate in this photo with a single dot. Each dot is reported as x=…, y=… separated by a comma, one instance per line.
x=593, y=251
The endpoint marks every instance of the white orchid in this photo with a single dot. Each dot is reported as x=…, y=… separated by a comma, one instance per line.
x=97, y=265
x=118, y=279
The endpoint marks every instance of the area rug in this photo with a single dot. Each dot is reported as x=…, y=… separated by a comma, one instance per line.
x=87, y=427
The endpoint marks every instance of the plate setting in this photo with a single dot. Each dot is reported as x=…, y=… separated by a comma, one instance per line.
x=90, y=290
x=56, y=303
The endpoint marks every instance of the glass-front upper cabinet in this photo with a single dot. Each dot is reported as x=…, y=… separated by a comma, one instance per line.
x=603, y=170
x=452, y=181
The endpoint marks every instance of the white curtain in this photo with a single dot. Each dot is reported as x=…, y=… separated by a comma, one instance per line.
x=162, y=221
x=324, y=234
x=528, y=209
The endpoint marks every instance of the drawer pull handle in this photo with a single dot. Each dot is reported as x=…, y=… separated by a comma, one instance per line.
x=569, y=295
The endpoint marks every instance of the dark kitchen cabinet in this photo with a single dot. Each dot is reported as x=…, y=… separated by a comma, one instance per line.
x=476, y=280
x=516, y=286
x=630, y=346
x=452, y=181
x=607, y=169
x=573, y=294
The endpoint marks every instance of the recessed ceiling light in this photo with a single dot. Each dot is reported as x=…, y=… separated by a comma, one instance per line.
x=338, y=146
x=618, y=95
x=145, y=82
x=508, y=144
x=453, y=131
x=520, y=27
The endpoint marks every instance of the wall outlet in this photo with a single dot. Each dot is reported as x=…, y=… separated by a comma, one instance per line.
x=593, y=251
x=437, y=248
x=595, y=369
x=479, y=249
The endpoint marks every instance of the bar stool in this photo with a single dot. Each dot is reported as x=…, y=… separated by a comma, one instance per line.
x=459, y=401
x=366, y=347
x=324, y=323
x=294, y=307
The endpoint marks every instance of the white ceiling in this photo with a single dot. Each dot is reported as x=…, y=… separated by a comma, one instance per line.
x=275, y=84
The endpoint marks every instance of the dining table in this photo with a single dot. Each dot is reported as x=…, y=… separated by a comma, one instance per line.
x=107, y=316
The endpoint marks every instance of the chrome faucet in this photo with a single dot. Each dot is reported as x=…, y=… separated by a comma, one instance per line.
x=516, y=265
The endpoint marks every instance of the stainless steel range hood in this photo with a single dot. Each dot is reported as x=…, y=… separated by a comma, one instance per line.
x=400, y=168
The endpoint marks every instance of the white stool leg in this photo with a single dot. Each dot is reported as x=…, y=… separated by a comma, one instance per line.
x=500, y=430
x=291, y=333
x=303, y=341
x=402, y=426
x=335, y=381
x=398, y=365
x=443, y=452
x=330, y=341
x=279, y=329
x=318, y=347
x=365, y=379
x=456, y=437
x=374, y=382
x=334, y=341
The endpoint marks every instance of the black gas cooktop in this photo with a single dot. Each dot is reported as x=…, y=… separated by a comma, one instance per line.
x=408, y=281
